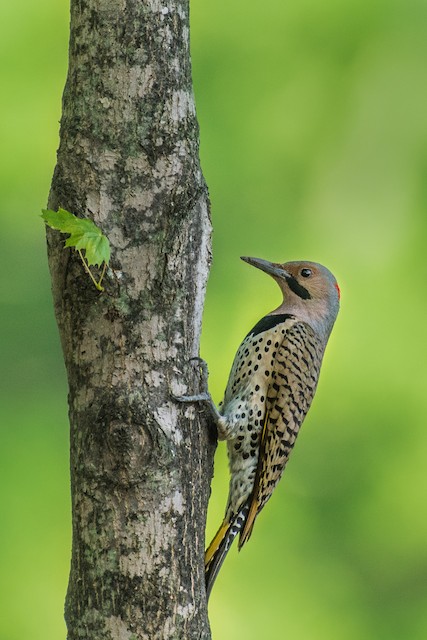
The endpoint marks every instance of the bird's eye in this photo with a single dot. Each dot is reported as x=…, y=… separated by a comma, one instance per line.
x=306, y=273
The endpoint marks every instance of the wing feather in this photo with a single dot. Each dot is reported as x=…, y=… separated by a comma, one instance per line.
x=292, y=386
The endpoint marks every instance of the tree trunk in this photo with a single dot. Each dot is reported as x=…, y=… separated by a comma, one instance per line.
x=141, y=463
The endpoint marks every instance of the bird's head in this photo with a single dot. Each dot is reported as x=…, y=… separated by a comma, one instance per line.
x=310, y=291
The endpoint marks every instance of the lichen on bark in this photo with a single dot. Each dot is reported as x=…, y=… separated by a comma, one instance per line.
x=140, y=463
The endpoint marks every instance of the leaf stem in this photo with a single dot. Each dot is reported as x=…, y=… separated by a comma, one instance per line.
x=102, y=275
x=86, y=266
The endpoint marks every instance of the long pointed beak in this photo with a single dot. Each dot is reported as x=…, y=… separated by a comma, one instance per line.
x=271, y=268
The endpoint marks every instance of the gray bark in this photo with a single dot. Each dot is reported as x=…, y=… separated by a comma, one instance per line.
x=141, y=463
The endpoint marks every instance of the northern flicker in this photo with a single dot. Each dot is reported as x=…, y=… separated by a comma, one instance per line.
x=271, y=385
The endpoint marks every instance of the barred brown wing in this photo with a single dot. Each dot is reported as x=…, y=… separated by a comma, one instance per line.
x=291, y=390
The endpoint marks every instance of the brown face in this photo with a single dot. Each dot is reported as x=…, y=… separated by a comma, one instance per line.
x=307, y=280
x=315, y=279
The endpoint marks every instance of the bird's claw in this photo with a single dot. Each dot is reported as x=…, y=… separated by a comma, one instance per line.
x=202, y=364
x=205, y=395
x=204, y=369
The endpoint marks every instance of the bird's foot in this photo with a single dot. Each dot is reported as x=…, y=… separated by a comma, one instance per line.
x=203, y=397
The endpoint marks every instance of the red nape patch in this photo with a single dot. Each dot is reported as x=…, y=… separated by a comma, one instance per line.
x=338, y=289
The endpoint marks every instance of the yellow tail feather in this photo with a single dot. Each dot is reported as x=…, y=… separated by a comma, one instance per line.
x=220, y=545
x=213, y=547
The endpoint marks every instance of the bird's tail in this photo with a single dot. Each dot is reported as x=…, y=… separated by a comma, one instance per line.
x=220, y=545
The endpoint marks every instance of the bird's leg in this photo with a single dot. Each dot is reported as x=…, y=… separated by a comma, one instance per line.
x=205, y=397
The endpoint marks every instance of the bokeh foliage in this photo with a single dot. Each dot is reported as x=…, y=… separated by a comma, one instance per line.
x=313, y=123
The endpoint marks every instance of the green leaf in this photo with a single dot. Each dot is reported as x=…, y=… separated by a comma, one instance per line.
x=62, y=220
x=84, y=235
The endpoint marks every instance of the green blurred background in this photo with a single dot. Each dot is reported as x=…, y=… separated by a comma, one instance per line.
x=313, y=118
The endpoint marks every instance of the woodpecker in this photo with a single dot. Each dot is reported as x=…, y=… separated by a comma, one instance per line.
x=270, y=389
